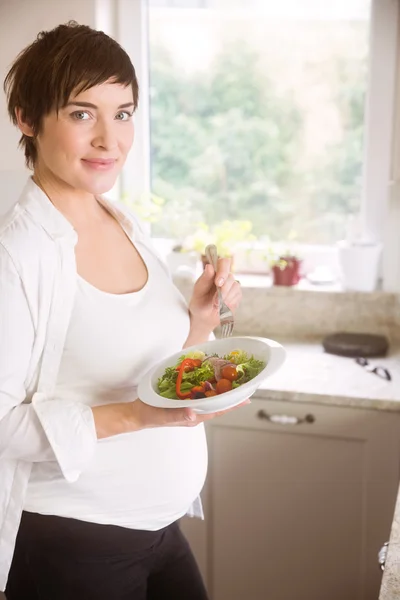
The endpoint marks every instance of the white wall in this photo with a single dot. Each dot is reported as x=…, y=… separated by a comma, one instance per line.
x=20, y=22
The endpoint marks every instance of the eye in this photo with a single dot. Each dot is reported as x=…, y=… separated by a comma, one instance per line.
x=80, y=115
x=123, y=115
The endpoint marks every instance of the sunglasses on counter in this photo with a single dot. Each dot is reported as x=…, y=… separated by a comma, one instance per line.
x=380, y=371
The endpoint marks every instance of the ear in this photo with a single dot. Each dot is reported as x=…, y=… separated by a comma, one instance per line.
x=23, y=125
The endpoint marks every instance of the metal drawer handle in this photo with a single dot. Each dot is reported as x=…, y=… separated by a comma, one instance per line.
x=383, y=555
x=285, y=419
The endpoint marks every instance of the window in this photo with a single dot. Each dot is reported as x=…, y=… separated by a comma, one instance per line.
x=257, y=114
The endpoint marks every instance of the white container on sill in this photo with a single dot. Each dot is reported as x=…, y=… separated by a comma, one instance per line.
x=359, y=264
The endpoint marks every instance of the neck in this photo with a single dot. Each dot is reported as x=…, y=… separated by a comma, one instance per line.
x=78, y=206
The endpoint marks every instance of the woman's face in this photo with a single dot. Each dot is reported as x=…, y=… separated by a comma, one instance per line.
x=85, y=144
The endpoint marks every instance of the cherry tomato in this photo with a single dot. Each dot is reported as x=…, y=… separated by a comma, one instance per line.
x=223, y=385
x=210, y=393
x=229, y=372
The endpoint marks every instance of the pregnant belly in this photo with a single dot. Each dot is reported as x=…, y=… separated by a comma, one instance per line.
x=143, y=480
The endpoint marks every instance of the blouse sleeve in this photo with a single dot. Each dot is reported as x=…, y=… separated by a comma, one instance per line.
x=44, y=429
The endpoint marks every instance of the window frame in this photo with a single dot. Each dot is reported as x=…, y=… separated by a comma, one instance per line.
x=380, y=201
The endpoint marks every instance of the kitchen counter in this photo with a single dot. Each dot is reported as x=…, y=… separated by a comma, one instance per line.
x=311, y=375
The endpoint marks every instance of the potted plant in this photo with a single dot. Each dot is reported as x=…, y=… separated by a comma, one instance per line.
x=285, y=268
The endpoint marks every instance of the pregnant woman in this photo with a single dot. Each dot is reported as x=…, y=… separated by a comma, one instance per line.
x=93, y=481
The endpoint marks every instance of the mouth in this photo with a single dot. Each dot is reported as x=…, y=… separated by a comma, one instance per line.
x=99, y=164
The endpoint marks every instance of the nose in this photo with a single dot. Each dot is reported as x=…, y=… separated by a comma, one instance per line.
x=104, y=135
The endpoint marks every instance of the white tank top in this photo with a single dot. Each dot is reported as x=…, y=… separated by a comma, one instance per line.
x=141, y=480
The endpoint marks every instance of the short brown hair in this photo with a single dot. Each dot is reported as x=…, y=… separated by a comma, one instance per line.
x=69, y=58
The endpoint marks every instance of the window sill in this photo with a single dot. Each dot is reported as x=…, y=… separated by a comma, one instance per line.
x=250, y=281
x=264, y=282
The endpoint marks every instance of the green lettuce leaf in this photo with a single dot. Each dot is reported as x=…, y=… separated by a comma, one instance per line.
x=248, y=370
x=167, y=383
x=247, y=367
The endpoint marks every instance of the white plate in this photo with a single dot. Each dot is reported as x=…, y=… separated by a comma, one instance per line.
x=272, y=353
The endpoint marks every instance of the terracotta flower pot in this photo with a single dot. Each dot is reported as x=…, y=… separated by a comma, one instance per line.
x=289, y=274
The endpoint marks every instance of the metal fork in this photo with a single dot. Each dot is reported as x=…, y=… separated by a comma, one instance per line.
x=225, y=313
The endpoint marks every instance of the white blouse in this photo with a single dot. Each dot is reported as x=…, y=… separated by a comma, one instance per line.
x=38, y=282
x=141, y=480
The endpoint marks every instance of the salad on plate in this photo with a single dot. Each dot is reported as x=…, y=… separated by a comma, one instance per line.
x=197, y=375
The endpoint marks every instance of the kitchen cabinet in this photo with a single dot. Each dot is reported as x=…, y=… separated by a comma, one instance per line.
x=298, y=501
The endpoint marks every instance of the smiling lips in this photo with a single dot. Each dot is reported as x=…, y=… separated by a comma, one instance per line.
x=99, y=164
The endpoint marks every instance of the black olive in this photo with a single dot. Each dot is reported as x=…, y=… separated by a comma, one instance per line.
x=198, y=395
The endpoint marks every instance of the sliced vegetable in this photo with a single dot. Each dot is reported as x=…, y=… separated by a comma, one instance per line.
x=190, y=378
x=186, y=364
x=198, y=388
x=195, y=362
x=237, y=356
x=217, y=364
x=196, y=375
x=198, y=391
x=229, y=372
x=223, y=385
x=198, y=395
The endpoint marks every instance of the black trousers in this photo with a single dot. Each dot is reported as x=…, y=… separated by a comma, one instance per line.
x=66, y=559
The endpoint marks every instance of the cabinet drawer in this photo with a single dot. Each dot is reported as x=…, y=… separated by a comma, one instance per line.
x=310, y=419
x=299, y=499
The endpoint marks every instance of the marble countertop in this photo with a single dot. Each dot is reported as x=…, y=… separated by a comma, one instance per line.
x=311, y=375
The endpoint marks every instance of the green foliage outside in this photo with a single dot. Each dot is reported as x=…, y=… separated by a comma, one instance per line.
x=226, y=145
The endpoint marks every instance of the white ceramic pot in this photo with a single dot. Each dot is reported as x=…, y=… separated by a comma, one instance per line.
x=359, y=265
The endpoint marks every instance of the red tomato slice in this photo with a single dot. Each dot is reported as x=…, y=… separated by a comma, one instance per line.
x=229, y=372
x=223, y=385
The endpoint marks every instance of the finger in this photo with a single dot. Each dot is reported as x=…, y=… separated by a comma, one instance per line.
x=234, y=297
x=247, y=401
x=226, y=288
x=223, y=270
x=177, y=416
x=206, y=280
x=189, y=416
x=209, y=271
